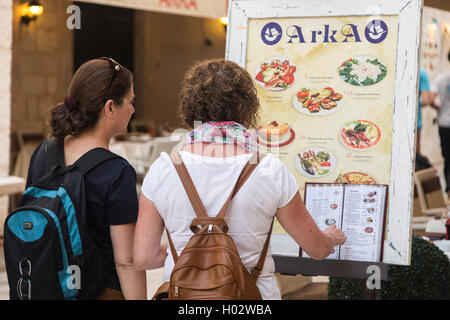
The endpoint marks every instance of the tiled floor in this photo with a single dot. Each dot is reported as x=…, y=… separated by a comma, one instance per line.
x=154, y=280
x=317, y=290
x=4, y=289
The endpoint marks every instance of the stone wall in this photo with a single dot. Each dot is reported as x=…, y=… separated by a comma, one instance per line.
x=5, y=93
x=165, y=46
x=42, y=64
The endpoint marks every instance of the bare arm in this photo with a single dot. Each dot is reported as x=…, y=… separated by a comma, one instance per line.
x=132, y=281
x=149, y=253
x=299, y=224
x=426, y=97
x=433, y=103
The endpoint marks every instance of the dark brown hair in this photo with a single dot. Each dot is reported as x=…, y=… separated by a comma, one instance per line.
x=218, y=90
x=88, y=92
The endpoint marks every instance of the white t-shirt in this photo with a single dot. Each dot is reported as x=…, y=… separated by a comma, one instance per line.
x=441, y=85
x=270, y=186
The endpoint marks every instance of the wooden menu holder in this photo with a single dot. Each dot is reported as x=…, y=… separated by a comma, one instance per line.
x=290, y=265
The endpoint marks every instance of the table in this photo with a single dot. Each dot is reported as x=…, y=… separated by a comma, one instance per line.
x=23, y=159
x=11, y=185
x=136, y=152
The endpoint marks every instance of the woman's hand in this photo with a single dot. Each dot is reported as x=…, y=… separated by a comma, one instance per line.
x=336, y=234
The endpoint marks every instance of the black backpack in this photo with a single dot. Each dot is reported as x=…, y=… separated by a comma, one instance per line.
x=49, y=251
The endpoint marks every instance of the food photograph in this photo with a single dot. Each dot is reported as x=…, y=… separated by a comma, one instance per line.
x=362, y=71
x=360, y=134
x=317, y=102
x=276, y=74
x=355, y=178
x=315, y=162
x=275, y=134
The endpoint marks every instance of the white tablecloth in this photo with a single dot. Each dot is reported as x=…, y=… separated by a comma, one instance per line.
x=136, y=152
x=11, y=185
x=23, y=159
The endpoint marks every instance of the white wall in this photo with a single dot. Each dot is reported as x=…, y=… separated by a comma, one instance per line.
x=6, y=17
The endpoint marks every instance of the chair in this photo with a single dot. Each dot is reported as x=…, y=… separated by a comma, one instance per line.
x=430, y=192
x=27, y=139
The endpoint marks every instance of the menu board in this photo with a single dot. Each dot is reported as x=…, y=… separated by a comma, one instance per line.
x=327, y=96
x=359, y=210
x=337, y=81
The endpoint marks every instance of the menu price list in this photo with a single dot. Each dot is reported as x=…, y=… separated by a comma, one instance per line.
x=358, y=209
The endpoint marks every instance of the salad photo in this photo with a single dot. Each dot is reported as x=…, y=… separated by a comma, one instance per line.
x=362, y=71
x=276, y=74
x=317, y=102
x=315, y=162
x=360, y=134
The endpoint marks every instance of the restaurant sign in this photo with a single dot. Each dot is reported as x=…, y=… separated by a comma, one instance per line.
x=337, y=84
x=199, y=8
x=375, y=32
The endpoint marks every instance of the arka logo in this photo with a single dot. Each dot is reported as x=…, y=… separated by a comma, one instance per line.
x=186, y=4
x=375, y=32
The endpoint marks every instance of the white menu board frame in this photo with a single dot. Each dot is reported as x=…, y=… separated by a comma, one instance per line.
x=397, y=244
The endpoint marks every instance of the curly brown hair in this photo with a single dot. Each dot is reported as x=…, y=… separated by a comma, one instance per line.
x=218, y=90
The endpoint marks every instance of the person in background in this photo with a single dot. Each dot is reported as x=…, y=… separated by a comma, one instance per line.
x=98, y=107
x=222, y=96
x=425, y=99
x=441, y=87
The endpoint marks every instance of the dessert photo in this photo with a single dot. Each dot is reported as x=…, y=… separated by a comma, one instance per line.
x=275, y=134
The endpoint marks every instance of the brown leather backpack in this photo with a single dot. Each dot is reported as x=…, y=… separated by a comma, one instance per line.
x=209, y=267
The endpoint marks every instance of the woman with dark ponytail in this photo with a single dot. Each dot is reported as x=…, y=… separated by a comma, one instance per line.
x=98, y=106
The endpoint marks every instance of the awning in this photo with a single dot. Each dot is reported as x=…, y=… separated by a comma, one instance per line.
x=199, y=8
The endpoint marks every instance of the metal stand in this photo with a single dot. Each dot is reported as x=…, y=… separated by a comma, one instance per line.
x=288, y=265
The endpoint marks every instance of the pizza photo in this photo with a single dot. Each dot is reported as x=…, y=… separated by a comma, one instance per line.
x=355, y=178
x=317, y=102
x=276, y=74
x=360, y=134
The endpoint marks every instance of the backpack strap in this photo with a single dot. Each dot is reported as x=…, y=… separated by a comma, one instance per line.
x=93, y=158
x=185, y=178
x=245, y=173
x=256, y=271
x=54, y=155
x=54, y=158
x=188, y=184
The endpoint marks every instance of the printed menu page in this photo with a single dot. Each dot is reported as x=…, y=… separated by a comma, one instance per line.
x=358, y=209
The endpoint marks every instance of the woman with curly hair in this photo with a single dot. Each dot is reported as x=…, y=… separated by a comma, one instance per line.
x=219, y=102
